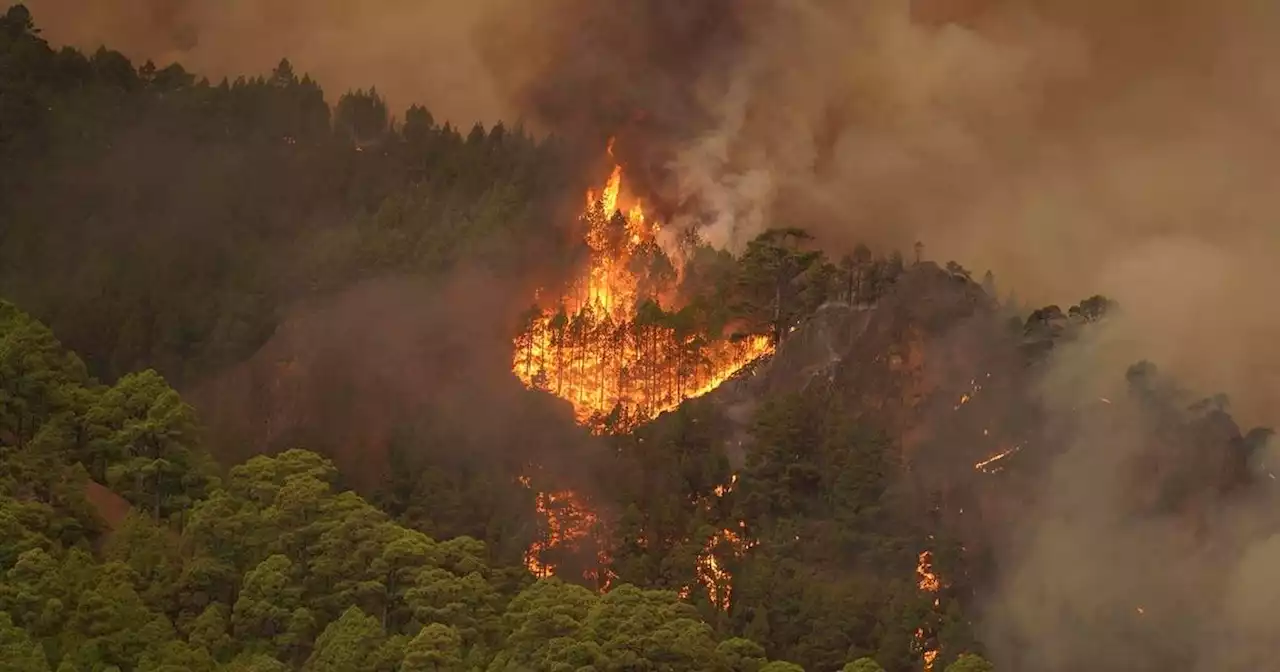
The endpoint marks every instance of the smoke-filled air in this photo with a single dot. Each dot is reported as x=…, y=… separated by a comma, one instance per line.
x=769, y=336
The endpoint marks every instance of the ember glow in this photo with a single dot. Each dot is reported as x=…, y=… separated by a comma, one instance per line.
x=928, y=582
x=992, y=464
x=568, y=523
x=975, y=386
x=721, y=489
x=598, y=349
x=711, y=571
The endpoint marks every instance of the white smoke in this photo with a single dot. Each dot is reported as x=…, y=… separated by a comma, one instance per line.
x=735, y=191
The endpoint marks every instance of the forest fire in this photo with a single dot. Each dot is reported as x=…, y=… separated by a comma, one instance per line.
x=974, y=388
x=568, y=523
x=711, y=572
x=990, y=465
x=607, y=346
x=709, y=569
x=928, y=582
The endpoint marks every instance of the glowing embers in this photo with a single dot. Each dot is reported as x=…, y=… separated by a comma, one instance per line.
x=927, y=582
x=710, y=570
x=569, y=524
x=994, y=464
x=974, y=388
x=607, y=346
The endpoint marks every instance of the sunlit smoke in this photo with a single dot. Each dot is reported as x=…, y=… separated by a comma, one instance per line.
x=599, y=348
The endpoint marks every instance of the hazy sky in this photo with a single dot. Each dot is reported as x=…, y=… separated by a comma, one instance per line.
x=1072, y=146
x=412, y=50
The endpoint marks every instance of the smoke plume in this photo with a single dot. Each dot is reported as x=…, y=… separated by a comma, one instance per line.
x=1104, y=573
x=1073, y=147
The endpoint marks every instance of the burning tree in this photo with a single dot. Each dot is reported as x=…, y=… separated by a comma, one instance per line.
x=608, y=346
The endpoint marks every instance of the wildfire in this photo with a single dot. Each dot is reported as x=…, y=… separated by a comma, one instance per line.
x=603, y=347
x=974, y=388
x=712, y=574
x=990, y=465
x=928, y=582
x=709, y=571
x=568, y=523
x=722, y=489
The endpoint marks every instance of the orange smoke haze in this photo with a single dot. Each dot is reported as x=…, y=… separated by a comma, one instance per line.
x=1074, y=147
x=413, y=51
x=594, y=348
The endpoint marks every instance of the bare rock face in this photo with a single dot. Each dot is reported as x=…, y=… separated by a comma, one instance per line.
x=926, y=342
x=936, y=367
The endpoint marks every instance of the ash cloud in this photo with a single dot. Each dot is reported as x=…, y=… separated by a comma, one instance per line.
x=1071, y=147
x=1104, y=573
x=1074, y=147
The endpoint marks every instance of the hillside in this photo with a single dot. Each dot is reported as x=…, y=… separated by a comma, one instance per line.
x=270, y=567
x=296, y=382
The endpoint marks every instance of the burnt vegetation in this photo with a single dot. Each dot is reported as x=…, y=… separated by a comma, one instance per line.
x=207, y=255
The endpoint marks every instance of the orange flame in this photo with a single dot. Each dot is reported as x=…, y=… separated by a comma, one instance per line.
x=709, y=571
x=989, y=465
x=926, y=579
x=712, y=574
x=974, y=388
x=569, y=521
x=593, y=348
x=928, y=582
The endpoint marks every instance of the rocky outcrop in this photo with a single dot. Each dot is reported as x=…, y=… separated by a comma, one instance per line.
x=924, y=345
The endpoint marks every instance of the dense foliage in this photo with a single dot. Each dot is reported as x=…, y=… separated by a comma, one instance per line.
x=229, y=201
x=161, y=224
x=154, y=219
x=267, y=567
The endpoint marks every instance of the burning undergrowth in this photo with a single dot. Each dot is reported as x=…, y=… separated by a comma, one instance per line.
x=1000, y=430
x=607, y=345
x=1161, y=485
x=968, y=406
x=403, y=383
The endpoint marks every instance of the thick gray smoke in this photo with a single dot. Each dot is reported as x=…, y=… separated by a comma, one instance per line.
x=1090, y=582
x=1071, y=147
x=1074, y=147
